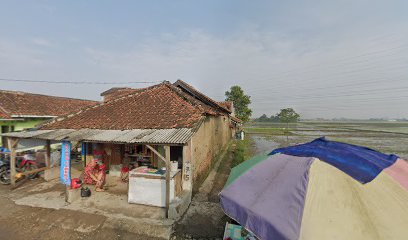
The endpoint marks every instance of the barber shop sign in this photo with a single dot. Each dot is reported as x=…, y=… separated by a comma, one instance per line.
x=65, y=170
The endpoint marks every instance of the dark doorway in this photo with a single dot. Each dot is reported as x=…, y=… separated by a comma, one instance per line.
x=176, y=154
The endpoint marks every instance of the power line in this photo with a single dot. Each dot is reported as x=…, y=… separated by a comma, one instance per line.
x=338, y=62
x=74, y=82
x=326, y=97
x=350, y=73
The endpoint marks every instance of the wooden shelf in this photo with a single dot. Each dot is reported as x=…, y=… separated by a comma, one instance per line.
x=139, y=156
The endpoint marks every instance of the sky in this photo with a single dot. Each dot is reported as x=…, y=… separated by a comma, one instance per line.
x=325, y=59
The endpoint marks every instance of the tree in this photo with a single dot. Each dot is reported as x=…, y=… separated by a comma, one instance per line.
x=263, y=118
x=288, y=115
x=274, y=118
x=241, y=102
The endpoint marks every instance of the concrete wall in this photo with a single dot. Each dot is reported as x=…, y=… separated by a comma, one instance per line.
x=21, y=124
x=28, y=123
x=212, y=137
x=187, y=166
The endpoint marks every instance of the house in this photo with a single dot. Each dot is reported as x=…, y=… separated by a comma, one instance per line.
x=153, y=126
x=21, y=110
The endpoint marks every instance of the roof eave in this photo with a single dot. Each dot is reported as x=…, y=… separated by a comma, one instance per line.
x=174, y=136
x=32, y=116
x=201, y=96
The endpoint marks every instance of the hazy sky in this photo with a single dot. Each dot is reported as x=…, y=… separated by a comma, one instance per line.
x=324, y=58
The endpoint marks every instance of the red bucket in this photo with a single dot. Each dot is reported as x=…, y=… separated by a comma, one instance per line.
x=76, y=183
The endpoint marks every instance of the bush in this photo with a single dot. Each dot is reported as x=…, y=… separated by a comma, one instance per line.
x=242, y=152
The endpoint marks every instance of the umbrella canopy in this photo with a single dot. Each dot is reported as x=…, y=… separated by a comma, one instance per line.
x=282, y=196
x=361, y=163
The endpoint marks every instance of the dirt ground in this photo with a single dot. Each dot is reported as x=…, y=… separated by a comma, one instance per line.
x=203, y=220
x=24, y=222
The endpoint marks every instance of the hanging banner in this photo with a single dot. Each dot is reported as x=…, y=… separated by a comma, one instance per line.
x=65, y=171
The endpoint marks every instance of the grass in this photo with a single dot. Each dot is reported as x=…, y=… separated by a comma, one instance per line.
x=241, y=152
x=226, y=157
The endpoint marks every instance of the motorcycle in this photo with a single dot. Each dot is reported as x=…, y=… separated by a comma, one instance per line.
x=23, y=164
x=4, y=161
x=3, y=165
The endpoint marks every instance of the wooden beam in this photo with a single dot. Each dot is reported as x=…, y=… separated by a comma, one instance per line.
x=168, y=169
x=48, y=153
x=157, y=153
x=12, y=143
x=33, y=171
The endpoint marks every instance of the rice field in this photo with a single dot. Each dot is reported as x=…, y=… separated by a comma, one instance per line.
x=387, y=137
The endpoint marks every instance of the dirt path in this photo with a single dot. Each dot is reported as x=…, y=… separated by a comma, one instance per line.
x=223, y=172
x=205, y=218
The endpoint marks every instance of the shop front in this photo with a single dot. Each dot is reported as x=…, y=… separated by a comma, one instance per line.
x=141, y=168
x=152, y=172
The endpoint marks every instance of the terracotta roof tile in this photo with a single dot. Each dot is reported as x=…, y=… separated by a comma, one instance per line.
x=156, y=107
x=202, y=97
x=4, y=115
x=226, y=104
x=114, y=93
x=21, y=103
x=235, y=119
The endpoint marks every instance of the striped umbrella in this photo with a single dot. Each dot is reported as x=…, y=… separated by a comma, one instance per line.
x=320, y=190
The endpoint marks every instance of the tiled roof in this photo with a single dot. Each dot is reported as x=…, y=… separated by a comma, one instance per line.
x=191, y=99
x=235, y=119
x=161, y=106
x=191, y=96
x=202, y=97
x=114, y=93
x=20, y=104
x=4, y=115
x=226, y=104
x=114, y=90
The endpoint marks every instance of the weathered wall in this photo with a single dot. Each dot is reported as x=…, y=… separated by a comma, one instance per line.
x=187, y=166
x=212, y=137
x=21, y=125
x=28, y=123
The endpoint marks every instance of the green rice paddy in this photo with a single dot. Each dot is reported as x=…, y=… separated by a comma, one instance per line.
x=388, y=137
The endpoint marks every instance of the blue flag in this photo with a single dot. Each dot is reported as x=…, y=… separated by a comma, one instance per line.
x=65, y=171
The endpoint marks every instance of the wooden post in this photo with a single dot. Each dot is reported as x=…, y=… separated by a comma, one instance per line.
x=48, y=153
x=168, y=169
x=12, y=144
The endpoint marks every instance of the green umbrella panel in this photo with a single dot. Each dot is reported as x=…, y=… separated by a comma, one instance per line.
x=239, y=170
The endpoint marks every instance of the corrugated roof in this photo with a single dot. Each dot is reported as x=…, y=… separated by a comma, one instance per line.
x=153, y=136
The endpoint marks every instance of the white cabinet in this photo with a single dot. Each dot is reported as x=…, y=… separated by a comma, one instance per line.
x=150, y=188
